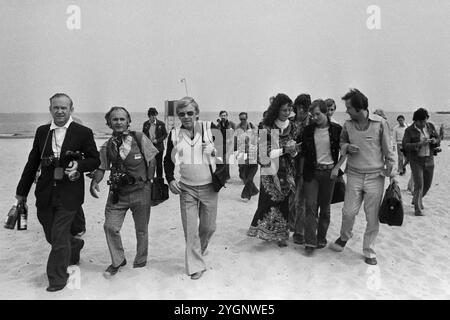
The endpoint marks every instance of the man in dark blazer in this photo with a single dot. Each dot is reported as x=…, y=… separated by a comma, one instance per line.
x=156, y=131
x=57, y=197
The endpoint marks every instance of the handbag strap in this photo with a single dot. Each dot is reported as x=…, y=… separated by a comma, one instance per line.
x=203, y=141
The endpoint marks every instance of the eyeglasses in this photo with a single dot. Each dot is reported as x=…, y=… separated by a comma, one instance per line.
x=183, y=114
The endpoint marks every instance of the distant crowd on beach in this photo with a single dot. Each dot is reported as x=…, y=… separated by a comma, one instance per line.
x=298, y=147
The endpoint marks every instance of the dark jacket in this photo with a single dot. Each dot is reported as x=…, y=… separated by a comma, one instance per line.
x=78, y=138
x=308, y=148
x=160, y=133
x=411, y=140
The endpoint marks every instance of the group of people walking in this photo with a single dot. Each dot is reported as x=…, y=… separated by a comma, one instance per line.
x=300, y=159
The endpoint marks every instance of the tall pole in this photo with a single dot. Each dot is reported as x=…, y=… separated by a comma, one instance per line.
x=185, y=85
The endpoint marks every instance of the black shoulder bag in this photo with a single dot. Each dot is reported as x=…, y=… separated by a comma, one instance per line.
x=220, y=175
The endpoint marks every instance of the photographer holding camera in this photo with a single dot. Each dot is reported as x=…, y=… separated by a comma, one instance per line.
x=130, y=156
x=421, y=143
x=60, y=183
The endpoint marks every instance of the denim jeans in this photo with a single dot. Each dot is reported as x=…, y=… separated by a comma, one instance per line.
x=367, y=187
x=422, y=170
x=401, y=158
x=297, y=209
x=318, y=193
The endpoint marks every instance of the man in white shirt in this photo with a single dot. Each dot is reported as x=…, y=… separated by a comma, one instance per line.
x=397, y=136
x=60, y=185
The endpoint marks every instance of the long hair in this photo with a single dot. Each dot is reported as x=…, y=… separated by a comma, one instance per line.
x=274, y=109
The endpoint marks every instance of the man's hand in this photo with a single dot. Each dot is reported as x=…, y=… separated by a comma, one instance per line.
x=334, y=173
x=21, y=199
x=174, y=187
x=433, y=140
x=352, y=148
x=94, y=189
x=73, y=166
x=208, y=149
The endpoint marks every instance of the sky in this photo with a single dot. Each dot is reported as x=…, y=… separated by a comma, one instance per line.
x=234, y=54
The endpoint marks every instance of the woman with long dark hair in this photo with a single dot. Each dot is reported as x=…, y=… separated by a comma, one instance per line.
x=277, y=149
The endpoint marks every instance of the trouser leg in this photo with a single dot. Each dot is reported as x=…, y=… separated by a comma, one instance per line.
x=299, y=226
x=373, y=195
x=400, y=162
x=326, y=187
x=140, y=207
x=352, y=203
x=207, y=214
x=189, y=207
x=114, y=217
x=159, y=164
x=428, y=171
x=311, y=194
x=79, y=222
x=417, y=175
x=61, y=241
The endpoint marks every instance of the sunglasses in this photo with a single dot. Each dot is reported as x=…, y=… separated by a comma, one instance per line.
x=189, y=113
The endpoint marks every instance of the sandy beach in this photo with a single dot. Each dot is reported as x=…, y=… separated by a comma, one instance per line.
x=413, y=260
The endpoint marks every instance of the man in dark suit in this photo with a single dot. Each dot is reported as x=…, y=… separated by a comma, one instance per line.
x=156, y=131
x=60, y=185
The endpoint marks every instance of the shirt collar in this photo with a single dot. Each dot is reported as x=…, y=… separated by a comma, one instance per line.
x=54, y=126
x=374, y=117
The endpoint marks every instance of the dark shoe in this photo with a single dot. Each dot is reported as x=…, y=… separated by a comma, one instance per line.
x=338, y=245
x=321, y=244
x=111, y=270
x=75, y=257
x=298, y=238
x=282, y=243
x=140, y=265
x=419, y=213
x=371, y=261
x=55, y=288
x=197, y=275
x=309, y=251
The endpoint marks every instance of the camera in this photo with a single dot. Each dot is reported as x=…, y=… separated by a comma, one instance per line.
x=74, y=156
x=435, y=147
x=120, y=178
x=48, y=161
x=117, y=179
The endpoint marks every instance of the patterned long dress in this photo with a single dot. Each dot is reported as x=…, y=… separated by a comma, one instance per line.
x=270, y=221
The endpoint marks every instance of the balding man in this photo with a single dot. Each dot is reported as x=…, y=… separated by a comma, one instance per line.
x=60, y=185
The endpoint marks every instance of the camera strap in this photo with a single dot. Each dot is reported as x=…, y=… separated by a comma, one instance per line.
x=138, y=142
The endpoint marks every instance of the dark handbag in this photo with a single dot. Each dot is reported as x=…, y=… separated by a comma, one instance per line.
x=219, y=177
x=160, y=191
x=339, y=190
x=391, y=209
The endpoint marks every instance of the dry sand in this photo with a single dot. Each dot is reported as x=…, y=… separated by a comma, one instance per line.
x=413, y=260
